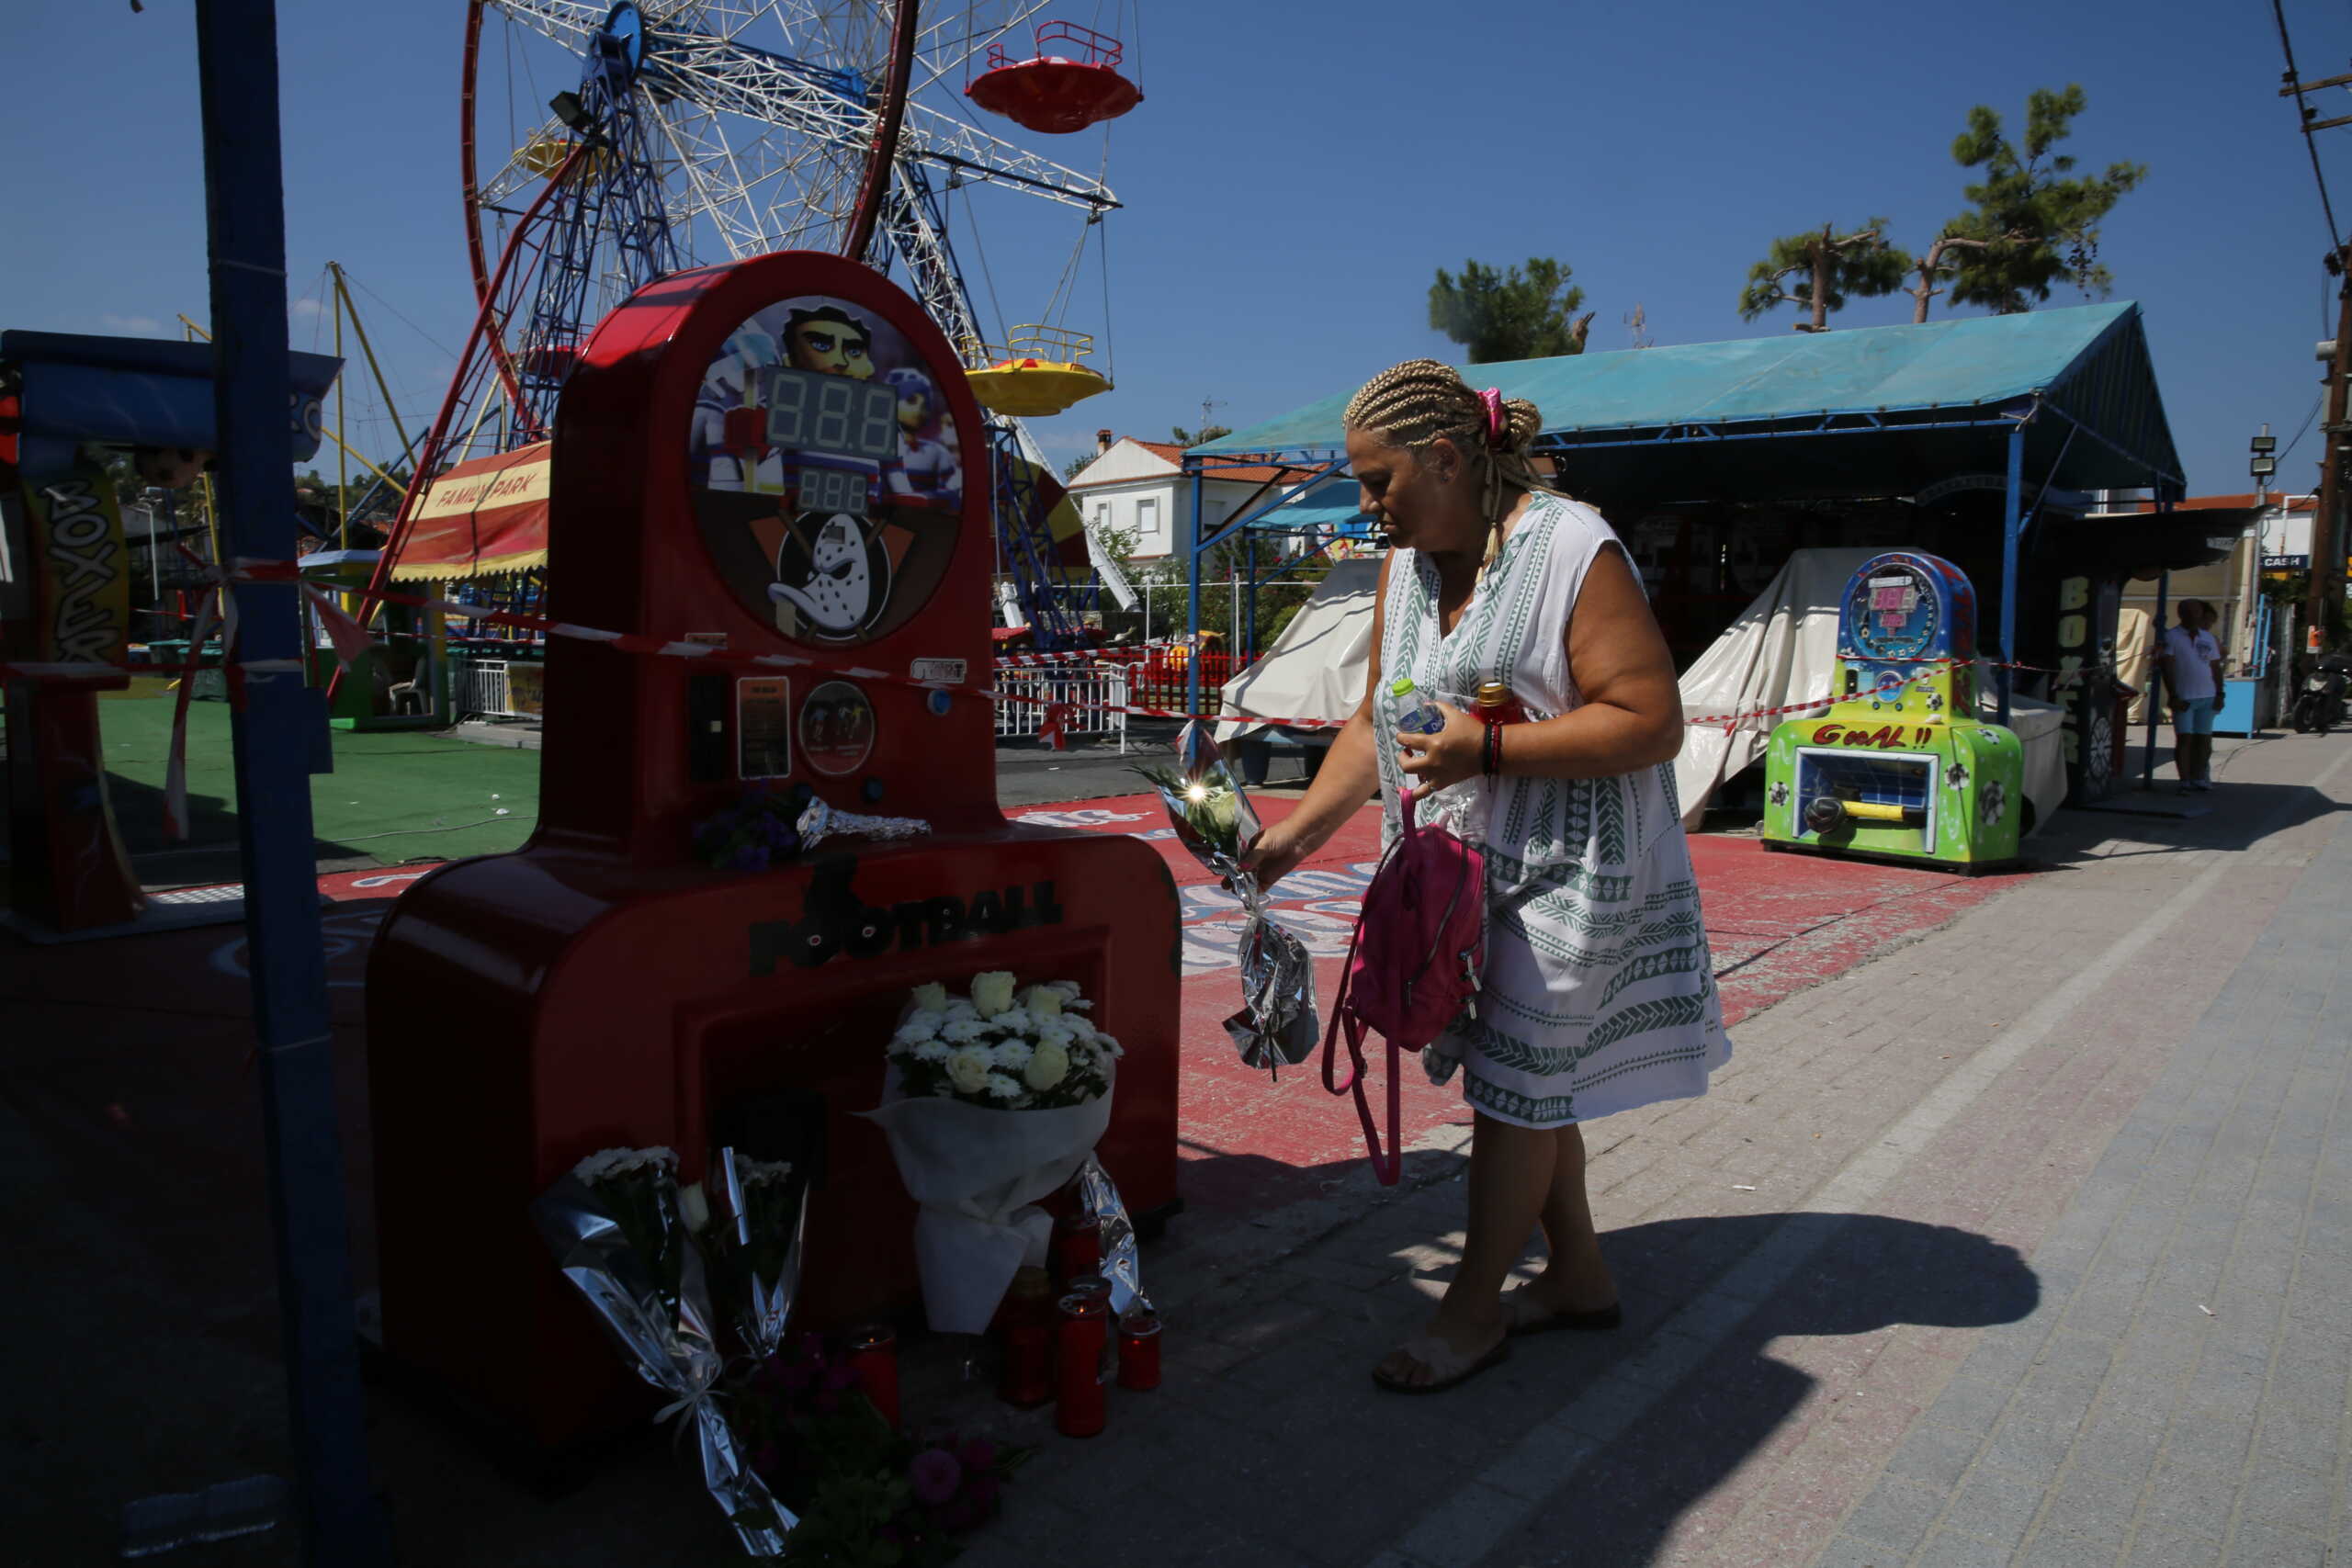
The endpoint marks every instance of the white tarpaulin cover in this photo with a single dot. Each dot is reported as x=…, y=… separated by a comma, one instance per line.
x=1783, y=649
x=1316, y=668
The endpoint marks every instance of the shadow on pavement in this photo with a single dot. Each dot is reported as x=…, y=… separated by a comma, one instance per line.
x=1871, y=1273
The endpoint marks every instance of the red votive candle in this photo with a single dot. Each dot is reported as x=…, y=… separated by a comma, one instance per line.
x=1077, y=1248
x=874, y=1355
x=1084, y=1328
x=1139, y=1350
x=1028, y=1332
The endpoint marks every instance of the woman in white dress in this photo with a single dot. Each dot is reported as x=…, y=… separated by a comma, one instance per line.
x=1597, y=993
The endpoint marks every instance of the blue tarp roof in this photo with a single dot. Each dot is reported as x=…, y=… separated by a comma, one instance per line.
x=2089, y=362
x=1329, y=504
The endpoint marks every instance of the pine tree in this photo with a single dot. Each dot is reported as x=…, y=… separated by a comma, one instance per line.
x=1828, y=268
x=2035, y=222
x=1507, y=314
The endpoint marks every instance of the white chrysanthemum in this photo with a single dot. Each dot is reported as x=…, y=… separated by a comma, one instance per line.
x=1003, y=1088
x=960, y=1030
x=930, y=998
x=1043, y=1000
x=921, y=1026
x=1080, y=1026
x=1048, y=1064
x=1012, y=1054
x=992, y=991
x=1056, y=1031
x=1107, y=1045
x=1070, y=989
x=1014, y=1021
x=759, y=1172
x=968, y=1069
x=931, y=1051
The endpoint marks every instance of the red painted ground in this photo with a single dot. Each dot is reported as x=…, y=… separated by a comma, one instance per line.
x=1778, y=923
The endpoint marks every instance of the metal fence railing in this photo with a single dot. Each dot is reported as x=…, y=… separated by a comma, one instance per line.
x=1096, y=693
x=1158, y=680
x=499, y=688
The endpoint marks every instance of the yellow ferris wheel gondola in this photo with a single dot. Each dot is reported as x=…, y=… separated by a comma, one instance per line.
x=1036, y=374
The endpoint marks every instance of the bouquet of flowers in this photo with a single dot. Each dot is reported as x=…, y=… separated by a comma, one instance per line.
x=1276, y=1025
x=865, y=1494
x=995, y=1100
x=1036, y=1051
x=623, y=1233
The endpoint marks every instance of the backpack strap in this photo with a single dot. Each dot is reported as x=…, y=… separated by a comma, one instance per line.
x=1387, y=1164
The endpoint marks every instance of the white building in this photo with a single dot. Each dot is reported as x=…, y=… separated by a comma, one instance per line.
x=1141, y=485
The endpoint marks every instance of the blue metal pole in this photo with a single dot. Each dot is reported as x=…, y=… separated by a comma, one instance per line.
x=2011, y=528
x=237, y=64
x=1192, y=621
x=2156, y=651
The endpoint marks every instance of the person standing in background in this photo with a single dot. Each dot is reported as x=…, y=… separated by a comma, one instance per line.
x=2192, y=662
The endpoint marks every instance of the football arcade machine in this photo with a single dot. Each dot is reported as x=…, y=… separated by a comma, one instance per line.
x=1899, y=767
x=777, y=457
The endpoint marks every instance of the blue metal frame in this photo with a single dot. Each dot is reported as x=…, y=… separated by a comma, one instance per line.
x=273, y=734
x=623, y=198
x=1199, y=468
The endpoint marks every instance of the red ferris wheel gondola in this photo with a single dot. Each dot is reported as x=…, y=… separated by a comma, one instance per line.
x=1056, y=94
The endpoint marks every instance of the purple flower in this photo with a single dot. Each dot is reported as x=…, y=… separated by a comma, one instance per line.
x=935, y=1475
x=977, y=1454
x=961, y=1515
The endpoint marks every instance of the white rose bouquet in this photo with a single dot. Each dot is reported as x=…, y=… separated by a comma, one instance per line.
x=995, y=1100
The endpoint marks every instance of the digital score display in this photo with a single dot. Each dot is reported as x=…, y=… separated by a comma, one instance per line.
x=833, y=489
x=826, y=470
x=832, y=414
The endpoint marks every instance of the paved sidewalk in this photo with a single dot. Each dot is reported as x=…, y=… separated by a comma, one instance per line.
x=2025, y=1244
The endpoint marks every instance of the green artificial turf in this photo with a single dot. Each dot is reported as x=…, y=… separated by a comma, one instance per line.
x=394, y=796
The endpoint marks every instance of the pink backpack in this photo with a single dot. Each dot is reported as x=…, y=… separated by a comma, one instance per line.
x=1413, y=966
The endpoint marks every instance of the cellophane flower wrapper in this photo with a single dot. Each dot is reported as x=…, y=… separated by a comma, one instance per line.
x=976, y=1176
x=765, y=1215
x=1098, y=1197
x=1215, y=823
x=621, y=1241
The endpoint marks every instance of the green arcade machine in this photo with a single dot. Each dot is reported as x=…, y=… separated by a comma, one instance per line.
x=1899, y=768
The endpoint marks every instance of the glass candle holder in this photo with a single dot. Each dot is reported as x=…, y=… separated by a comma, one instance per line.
x=1079, y=1409
x=1139, y=1350
x=1027, y=1332
x=1077, y=1248
x=874, y=1355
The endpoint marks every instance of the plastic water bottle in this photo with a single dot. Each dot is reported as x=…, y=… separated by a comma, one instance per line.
x=1426, y=719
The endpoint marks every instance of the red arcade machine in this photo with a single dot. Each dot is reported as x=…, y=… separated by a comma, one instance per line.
x=777, y=457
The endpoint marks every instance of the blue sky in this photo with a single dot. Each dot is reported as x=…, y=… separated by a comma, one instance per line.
x=1298, y=169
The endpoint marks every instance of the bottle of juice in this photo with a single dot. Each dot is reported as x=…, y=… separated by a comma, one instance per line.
x=1497, y=706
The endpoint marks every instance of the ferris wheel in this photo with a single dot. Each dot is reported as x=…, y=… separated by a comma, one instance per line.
x=606, y=145
x=610, y=144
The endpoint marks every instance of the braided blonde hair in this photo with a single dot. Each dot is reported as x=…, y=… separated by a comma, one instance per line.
x=1412, y=404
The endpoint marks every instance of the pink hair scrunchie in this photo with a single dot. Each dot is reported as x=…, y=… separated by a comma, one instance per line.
x=1498, y=422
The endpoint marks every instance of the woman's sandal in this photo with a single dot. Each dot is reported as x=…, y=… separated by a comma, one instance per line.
x=1523, y=1314
x=1449, y=1366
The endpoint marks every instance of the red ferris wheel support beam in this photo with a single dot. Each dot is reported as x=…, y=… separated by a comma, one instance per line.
x=881, y=164
x=469, y=163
